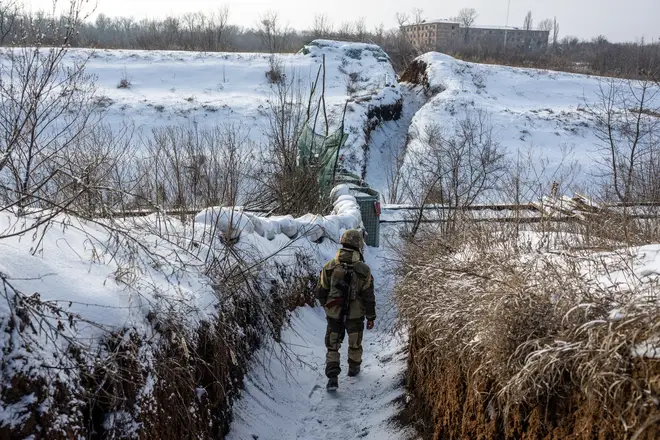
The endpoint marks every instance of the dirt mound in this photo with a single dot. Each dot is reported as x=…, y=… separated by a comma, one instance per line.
x=416, y=74
x=179, y=383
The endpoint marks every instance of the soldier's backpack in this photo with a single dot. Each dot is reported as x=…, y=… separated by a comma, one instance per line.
x=345, y=281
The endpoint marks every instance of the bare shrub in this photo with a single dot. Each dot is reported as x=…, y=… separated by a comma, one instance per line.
x=96, y=175
x=275, y=74
x=189, y=169
x=626, y=123
x=125, y=82
x=352, y=83
x=288, y=187
x=454, y=167
x=45, y=109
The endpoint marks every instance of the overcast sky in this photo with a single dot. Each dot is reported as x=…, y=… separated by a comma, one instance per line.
x=618, y=20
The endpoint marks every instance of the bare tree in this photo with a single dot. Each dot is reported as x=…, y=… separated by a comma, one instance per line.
x=528, y=25
x=345, y=30
x=273, y=35
x=466, y=18
x=215, y=29
x=546, y=25
x=361, y=29
x=454, y=168
x=555, y=33
x=379, y=34
x=8, y=16
x=400, y=48
x=322, y=26
x=45, y=108
x=402, y=19
x=626, y=123
x=418, y=15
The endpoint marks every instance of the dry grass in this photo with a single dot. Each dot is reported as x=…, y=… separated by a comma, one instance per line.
x=518, y=338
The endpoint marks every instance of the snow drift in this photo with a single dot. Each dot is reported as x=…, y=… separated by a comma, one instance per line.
x=541, y=118
x=155, y=89
x=104, y=321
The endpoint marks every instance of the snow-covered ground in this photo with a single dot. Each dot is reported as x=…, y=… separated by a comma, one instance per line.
x=99, y=282
x=539, y=117
x=388, y=142
x=166, y=88
x=285, y=396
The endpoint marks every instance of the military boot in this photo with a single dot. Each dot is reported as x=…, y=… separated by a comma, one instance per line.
x=333, y=384
x=353, y=370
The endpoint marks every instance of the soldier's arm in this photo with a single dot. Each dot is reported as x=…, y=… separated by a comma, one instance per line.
x=369, y=299
x=323, y=288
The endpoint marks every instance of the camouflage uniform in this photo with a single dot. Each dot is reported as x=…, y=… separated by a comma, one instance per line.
x=346, y=318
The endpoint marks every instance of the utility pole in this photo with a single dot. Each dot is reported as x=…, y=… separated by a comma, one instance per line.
x=506, y=26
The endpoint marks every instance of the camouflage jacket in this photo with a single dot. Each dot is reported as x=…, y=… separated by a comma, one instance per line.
x=332, y=286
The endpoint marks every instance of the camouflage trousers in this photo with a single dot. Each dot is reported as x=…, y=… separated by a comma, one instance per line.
x=334, y=336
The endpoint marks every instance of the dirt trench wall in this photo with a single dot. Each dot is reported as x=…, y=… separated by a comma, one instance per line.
x=178, y=384
x=453, y=401
x=416, y=74
x=375, y=117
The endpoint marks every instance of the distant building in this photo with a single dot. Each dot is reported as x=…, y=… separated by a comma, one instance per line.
x=444, y=35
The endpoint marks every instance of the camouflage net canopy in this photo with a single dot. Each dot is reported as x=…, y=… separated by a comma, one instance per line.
x=321, y=153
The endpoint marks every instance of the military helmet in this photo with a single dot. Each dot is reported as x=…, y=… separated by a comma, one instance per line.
x=352, y=238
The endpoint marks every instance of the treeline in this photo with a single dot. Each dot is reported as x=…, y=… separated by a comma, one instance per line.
x=213, y=31
x=209, y=31
x=596, y=57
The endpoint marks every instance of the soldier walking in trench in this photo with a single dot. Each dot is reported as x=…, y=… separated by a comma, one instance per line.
x=346, y=290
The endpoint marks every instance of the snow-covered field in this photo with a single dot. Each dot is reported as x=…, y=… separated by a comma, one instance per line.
x=166, y=88
x=75, y=265
x=539, y=117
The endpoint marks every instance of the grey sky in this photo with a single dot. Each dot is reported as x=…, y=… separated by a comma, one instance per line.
x=617, y=19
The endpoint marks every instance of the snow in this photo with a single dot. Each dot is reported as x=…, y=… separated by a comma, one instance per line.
x=234, y=223
x=71, y=264
x=388, y=143
x=648, y=349
x=103, y=288
x=539, y=116
x=207, y=90
x=74, y=264
x=285, y=396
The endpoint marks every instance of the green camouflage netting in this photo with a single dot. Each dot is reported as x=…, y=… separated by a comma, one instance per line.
x=320, y=152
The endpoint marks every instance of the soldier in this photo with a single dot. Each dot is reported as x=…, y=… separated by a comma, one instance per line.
x=346, y=290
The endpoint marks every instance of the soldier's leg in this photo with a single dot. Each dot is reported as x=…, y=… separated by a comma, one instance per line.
x=355, y=330
x=334, y=336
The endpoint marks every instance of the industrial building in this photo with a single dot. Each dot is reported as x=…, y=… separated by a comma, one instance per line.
x=446, y=35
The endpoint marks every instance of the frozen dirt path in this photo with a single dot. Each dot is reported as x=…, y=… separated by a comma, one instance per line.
x=285, y=396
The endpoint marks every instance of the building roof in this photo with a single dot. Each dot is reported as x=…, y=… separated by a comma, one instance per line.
x=442, y=20
x=432, y=22
x=509, y=28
